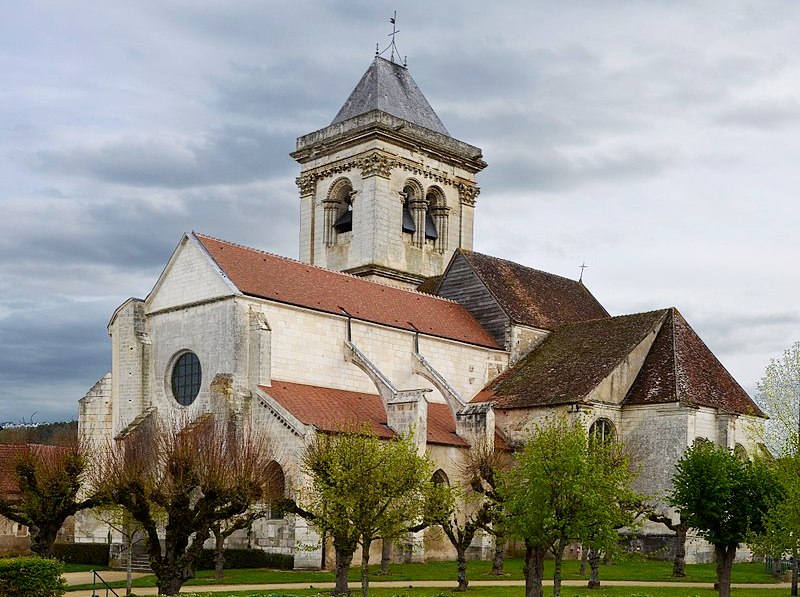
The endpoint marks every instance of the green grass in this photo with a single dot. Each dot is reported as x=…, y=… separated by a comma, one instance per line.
x=619, y=570
x=509, y=592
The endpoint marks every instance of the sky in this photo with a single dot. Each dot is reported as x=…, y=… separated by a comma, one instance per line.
x=657, y=142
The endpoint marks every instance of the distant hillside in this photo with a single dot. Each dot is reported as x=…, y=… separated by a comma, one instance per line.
x=54, y=434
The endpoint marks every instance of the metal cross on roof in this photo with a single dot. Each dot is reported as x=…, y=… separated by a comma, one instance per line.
x=392, y=44
x=583, y=267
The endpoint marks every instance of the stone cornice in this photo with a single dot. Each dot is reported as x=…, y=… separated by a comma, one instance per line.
x=380, y=125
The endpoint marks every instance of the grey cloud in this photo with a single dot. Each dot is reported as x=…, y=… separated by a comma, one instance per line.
x=227, y=155
x=749, y=333
x=48, y=354
x=557, y=171
x=764, y=115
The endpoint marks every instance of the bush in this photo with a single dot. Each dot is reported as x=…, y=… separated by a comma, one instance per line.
x=247, y=558
x=94, y=554
x=31, y=577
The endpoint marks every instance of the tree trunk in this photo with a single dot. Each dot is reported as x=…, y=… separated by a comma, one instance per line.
x=219, y=556
x=42, y=540
x=343, y=560
x=559, y=557
x=365, y=568
x=534, y=570
x=386, y=557
x=724, y=555
x=499, y=555
x=461, y=557
x=679, y=563
x=794, y=572
x=170, y=582
x=584, y=558
x=593, y=556
x=128, y=564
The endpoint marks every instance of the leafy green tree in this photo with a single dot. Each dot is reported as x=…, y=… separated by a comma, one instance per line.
x=562, y=490
x=183, y=479
x=619, y=506
x=466, y=513
x=781, y=533
x=725, y=499
x=779, y=396
x=363, y=488
x=49, y=480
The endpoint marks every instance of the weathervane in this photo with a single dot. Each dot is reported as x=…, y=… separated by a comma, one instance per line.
x=392, y=44
x=583, y=267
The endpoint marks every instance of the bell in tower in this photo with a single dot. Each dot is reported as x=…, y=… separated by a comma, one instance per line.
x=385, y=192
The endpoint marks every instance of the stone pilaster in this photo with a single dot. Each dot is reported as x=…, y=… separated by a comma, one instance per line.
x=331, y=210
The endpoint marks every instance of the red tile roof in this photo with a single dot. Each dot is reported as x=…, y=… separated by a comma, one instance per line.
x=533, y=297
x=570, y=362
x=8, y=462
x=681, y=368
x=332, y=410
x=269, y=276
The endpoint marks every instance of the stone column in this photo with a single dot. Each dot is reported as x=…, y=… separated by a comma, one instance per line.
x=418, y=208
x=440, y=218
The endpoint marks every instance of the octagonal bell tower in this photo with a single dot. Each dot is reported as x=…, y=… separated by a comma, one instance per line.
x=385, y=192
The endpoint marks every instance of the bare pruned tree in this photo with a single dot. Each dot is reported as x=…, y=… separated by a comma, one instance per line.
x=183, y=478
x=47, y=480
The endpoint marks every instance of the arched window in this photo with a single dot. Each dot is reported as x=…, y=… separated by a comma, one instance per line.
x=436, y=218
x=440, y=478
x=740, y=452
x=338, y=207
x=277, y=481
x=411, y=194
x=602, y=432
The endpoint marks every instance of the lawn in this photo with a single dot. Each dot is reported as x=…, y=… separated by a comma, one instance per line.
x=620, y=570
x=510, y=592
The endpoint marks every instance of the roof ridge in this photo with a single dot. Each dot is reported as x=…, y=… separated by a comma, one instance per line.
x=324, y=269
x=525, y=266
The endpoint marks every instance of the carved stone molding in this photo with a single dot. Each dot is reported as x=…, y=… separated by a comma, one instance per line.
x=429, y=173
x=307, y=184
x=468, y=194
x=376, y=164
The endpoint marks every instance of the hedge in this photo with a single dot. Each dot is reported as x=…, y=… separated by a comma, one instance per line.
x=31, y=577
x=247, y=558
x=95, y=554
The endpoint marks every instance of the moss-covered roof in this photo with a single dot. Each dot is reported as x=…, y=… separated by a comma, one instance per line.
x=681, y=368
x=571, y=362
x=574, y=359
x=533, y=297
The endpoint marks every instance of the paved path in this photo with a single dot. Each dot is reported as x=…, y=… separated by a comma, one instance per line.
x=73, y=578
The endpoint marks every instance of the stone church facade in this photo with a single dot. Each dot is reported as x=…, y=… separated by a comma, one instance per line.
x=390, y=319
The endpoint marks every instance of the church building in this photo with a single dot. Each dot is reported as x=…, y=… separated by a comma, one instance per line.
x=389, y=318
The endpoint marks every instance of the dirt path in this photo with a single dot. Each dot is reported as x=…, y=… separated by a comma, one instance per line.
x=443, y=584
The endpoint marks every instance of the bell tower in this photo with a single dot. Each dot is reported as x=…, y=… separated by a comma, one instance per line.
x=385, y=192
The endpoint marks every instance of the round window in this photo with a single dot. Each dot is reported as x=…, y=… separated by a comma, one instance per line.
x=186, y=378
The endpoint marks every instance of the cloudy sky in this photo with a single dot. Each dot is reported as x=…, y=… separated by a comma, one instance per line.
x=659, y=142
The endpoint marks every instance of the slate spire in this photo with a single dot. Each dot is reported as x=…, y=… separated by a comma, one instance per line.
x=388, y=87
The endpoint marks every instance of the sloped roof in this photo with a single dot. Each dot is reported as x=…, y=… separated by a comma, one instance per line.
x=388, y=87
x=533, y=297
x=570, y=362
x=681, y=368
x=331, y=410
x=276, y=278
x=8, y=462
